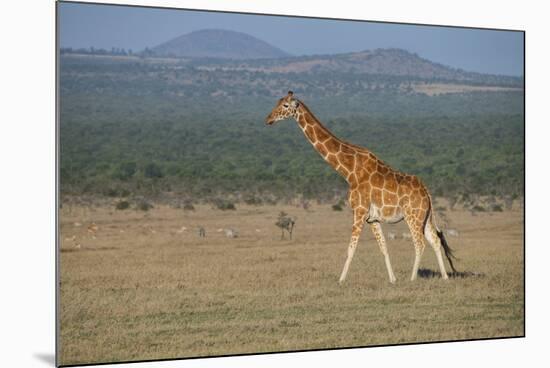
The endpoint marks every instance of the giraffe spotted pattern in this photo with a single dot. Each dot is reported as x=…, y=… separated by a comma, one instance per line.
x=377, y=193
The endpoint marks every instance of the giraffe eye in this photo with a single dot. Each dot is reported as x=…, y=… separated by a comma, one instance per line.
x=285, y=105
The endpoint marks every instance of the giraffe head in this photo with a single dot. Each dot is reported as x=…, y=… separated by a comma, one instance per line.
x=285, y=108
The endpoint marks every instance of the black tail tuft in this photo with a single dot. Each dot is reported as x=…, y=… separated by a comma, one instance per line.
x=448, y=251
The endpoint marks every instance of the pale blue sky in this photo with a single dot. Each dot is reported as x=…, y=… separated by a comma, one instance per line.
x=104, y=26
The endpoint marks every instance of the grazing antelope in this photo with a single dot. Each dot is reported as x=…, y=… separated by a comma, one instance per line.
x=202, y=232
x=231, y=233
x=285, y=223
x=452, y=232
x=407, y=236
x=93, y=228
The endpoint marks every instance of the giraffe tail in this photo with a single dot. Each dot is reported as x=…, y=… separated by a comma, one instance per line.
x=449, y=253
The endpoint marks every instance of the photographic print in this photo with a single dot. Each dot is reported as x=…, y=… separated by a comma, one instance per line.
x=235, y=183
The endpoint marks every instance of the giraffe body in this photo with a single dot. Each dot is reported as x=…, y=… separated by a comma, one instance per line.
x=377, y=193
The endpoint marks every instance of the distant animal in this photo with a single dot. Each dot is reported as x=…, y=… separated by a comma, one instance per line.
x=202, y=232
x=377, y=192
x=284, y=222
x=406, y=236
x=452, y=232
x=181, y=229
x=231, y=233
x=93, y=228
x=391, y=235
x=73, y=239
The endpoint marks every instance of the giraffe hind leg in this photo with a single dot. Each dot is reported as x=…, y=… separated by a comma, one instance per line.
x=415, y=227
x=435, y=242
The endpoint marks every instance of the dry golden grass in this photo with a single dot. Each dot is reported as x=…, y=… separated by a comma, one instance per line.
x=136, y=288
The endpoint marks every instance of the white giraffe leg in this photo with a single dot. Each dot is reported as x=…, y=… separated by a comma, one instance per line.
x=431, y=234
x=379, y=235
x=418, y=256
x=358, y=221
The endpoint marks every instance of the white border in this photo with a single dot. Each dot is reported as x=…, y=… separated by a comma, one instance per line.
x=27, y=181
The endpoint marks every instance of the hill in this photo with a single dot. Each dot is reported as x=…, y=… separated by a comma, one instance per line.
x=387, y=62
x=217, y=43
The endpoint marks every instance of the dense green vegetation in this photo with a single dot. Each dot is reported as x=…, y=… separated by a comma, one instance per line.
x=135, y=127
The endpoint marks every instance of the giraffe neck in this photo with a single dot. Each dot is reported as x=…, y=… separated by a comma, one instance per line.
x=337, y=153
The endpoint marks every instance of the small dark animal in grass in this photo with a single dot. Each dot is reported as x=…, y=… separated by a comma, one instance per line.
x=287, y=223
x=202, y=232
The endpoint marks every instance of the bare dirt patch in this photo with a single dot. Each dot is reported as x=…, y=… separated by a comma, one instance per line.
x=432, y=89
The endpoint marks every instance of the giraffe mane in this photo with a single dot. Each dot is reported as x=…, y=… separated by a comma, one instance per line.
x=363, y=149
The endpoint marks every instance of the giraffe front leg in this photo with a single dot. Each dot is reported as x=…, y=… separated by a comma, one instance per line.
x=418, y=251
x=379, y=235
x=358, y=221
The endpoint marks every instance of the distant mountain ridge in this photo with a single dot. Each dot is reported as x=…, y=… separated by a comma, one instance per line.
x=219, y=51
x=219, y=44
x=390, y=62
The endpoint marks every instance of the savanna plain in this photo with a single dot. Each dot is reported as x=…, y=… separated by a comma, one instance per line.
x=138, y=285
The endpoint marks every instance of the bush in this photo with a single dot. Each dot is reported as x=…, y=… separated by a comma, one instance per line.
x=478, y=208
x=126, y=170
x=116, y=192
x=270, y=200
x=143, y=205
x=153, y=170
x=253, y=200
x=336, y=207
x=224, y=205
x=111, y=192
x=496, y=208
x=122, y=205
x=188, y=207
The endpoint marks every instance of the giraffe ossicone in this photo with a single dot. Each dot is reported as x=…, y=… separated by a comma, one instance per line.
x=377, y=192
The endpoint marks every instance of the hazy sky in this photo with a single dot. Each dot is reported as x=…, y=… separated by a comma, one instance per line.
x=103, y=26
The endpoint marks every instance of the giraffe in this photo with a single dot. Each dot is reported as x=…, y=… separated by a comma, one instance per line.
x=377, y=193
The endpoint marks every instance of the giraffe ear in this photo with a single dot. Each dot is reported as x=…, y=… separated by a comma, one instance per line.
x=295, y=103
